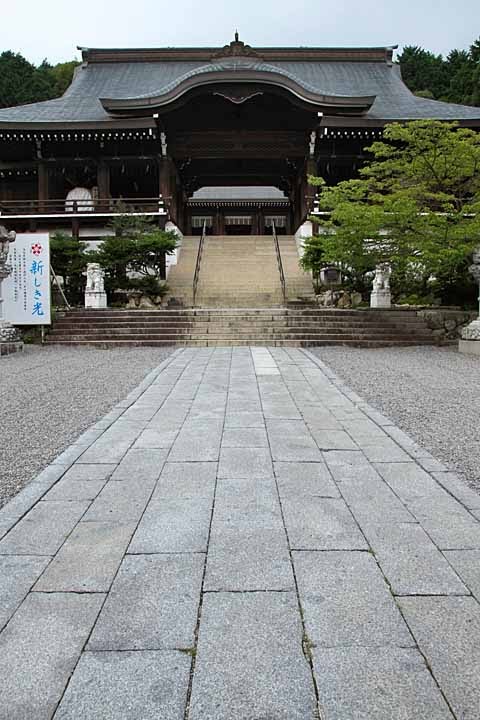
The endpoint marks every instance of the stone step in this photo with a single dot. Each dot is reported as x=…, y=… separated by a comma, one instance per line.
x=307, y=312
x=218, y=336
x=238, y=270
x=241, y=326
x=232, y=342
x=247, y=325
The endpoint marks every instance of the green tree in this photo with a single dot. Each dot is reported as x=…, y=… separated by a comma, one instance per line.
x=69, y=260
x=455, y=78
x=139, y=247
x=460, y=70
x=423, y=71
x=62, y=74
x=313, y=258
x=415, y=205
x=21, y=82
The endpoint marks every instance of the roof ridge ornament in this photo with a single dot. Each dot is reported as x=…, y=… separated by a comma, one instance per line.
x=236, y=48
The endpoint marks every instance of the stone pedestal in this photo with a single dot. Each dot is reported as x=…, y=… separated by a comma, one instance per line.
x=470, y=341
x=380, y=299
x=8, y=348
x=469, y=347
x=10, y=338
x=95, y=300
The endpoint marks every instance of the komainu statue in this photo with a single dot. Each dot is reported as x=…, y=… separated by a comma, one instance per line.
x=95, y=295
x=6, y=238
x=381, y=281
x=95, y=278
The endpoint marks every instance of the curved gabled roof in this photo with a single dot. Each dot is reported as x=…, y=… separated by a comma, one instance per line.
x=363, y=81
x=241, y=70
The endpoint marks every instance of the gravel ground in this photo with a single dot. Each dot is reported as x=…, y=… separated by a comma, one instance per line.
x=48, y=396
x=433, y=394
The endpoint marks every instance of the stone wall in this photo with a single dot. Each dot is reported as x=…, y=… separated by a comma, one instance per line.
x=446, y=323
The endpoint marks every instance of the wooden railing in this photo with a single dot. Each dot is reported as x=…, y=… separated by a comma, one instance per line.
x=199, y=262
x=109, y=206
x=279, y=262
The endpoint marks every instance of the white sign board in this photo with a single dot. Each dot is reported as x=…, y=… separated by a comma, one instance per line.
x=26, y=291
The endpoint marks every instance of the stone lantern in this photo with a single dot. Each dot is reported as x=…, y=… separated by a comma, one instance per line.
x=470, y=342
x=10, y=339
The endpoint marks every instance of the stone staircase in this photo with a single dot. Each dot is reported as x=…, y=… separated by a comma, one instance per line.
x=241, y=326
x=238, y=271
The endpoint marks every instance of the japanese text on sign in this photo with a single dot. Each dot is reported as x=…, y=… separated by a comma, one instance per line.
x=26, y=290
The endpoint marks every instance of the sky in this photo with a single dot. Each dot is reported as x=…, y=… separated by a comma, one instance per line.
x=53, y=28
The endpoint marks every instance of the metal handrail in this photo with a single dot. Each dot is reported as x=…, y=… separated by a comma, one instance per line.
x=199, y=261
x=279, y=262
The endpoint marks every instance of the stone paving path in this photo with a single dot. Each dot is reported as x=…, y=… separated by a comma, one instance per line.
x=241, y=538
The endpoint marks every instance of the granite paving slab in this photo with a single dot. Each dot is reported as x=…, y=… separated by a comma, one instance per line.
x=17, y=575
x=241, y=538
x=172, y=525
x=198, y=440
x=139, y=466
x=447, y=630
x=377, y=684
x=411, y=562
x=39, y=649
x=305, y=478
x=67, y=489
x=120, y=502
x=250, y=662
x=186, y=479
x=152, y=604
x=89, y=559
x=146, y=685
x=254, y=463
x=247, y=556
x=318, y=523
x=346, y=601
x=44, y=529
x=467, y=565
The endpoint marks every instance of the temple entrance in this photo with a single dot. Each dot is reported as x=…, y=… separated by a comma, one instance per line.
x=239, y=210
x=238, y=225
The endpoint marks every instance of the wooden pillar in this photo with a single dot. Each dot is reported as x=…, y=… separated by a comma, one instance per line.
x=312, y=169
x=261, y=221
x=187, y=223
x=42, y=178
x=169, y=186
x=76, y=228
x=103, y=181
x=218, y=223
x=297, y=201
x=289, y=227
x=173, y=191
x=256, y=222
x=164, y=179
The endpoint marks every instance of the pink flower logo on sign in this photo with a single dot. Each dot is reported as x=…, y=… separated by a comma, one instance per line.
x=37, y=249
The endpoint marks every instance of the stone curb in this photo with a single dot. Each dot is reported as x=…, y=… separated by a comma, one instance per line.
x=19, y=505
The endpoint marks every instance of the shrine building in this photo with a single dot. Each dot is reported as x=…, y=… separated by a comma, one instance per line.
x=221, y=137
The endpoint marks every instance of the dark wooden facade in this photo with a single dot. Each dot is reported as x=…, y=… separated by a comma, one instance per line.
x=145, y=129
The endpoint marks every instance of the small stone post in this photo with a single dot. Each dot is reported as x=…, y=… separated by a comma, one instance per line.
x=95, y=295
x=470, y=341
x=381, y=297
x=10, y=339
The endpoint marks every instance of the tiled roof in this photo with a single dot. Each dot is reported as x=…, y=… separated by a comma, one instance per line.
x=121, y=80
x=239, y=193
